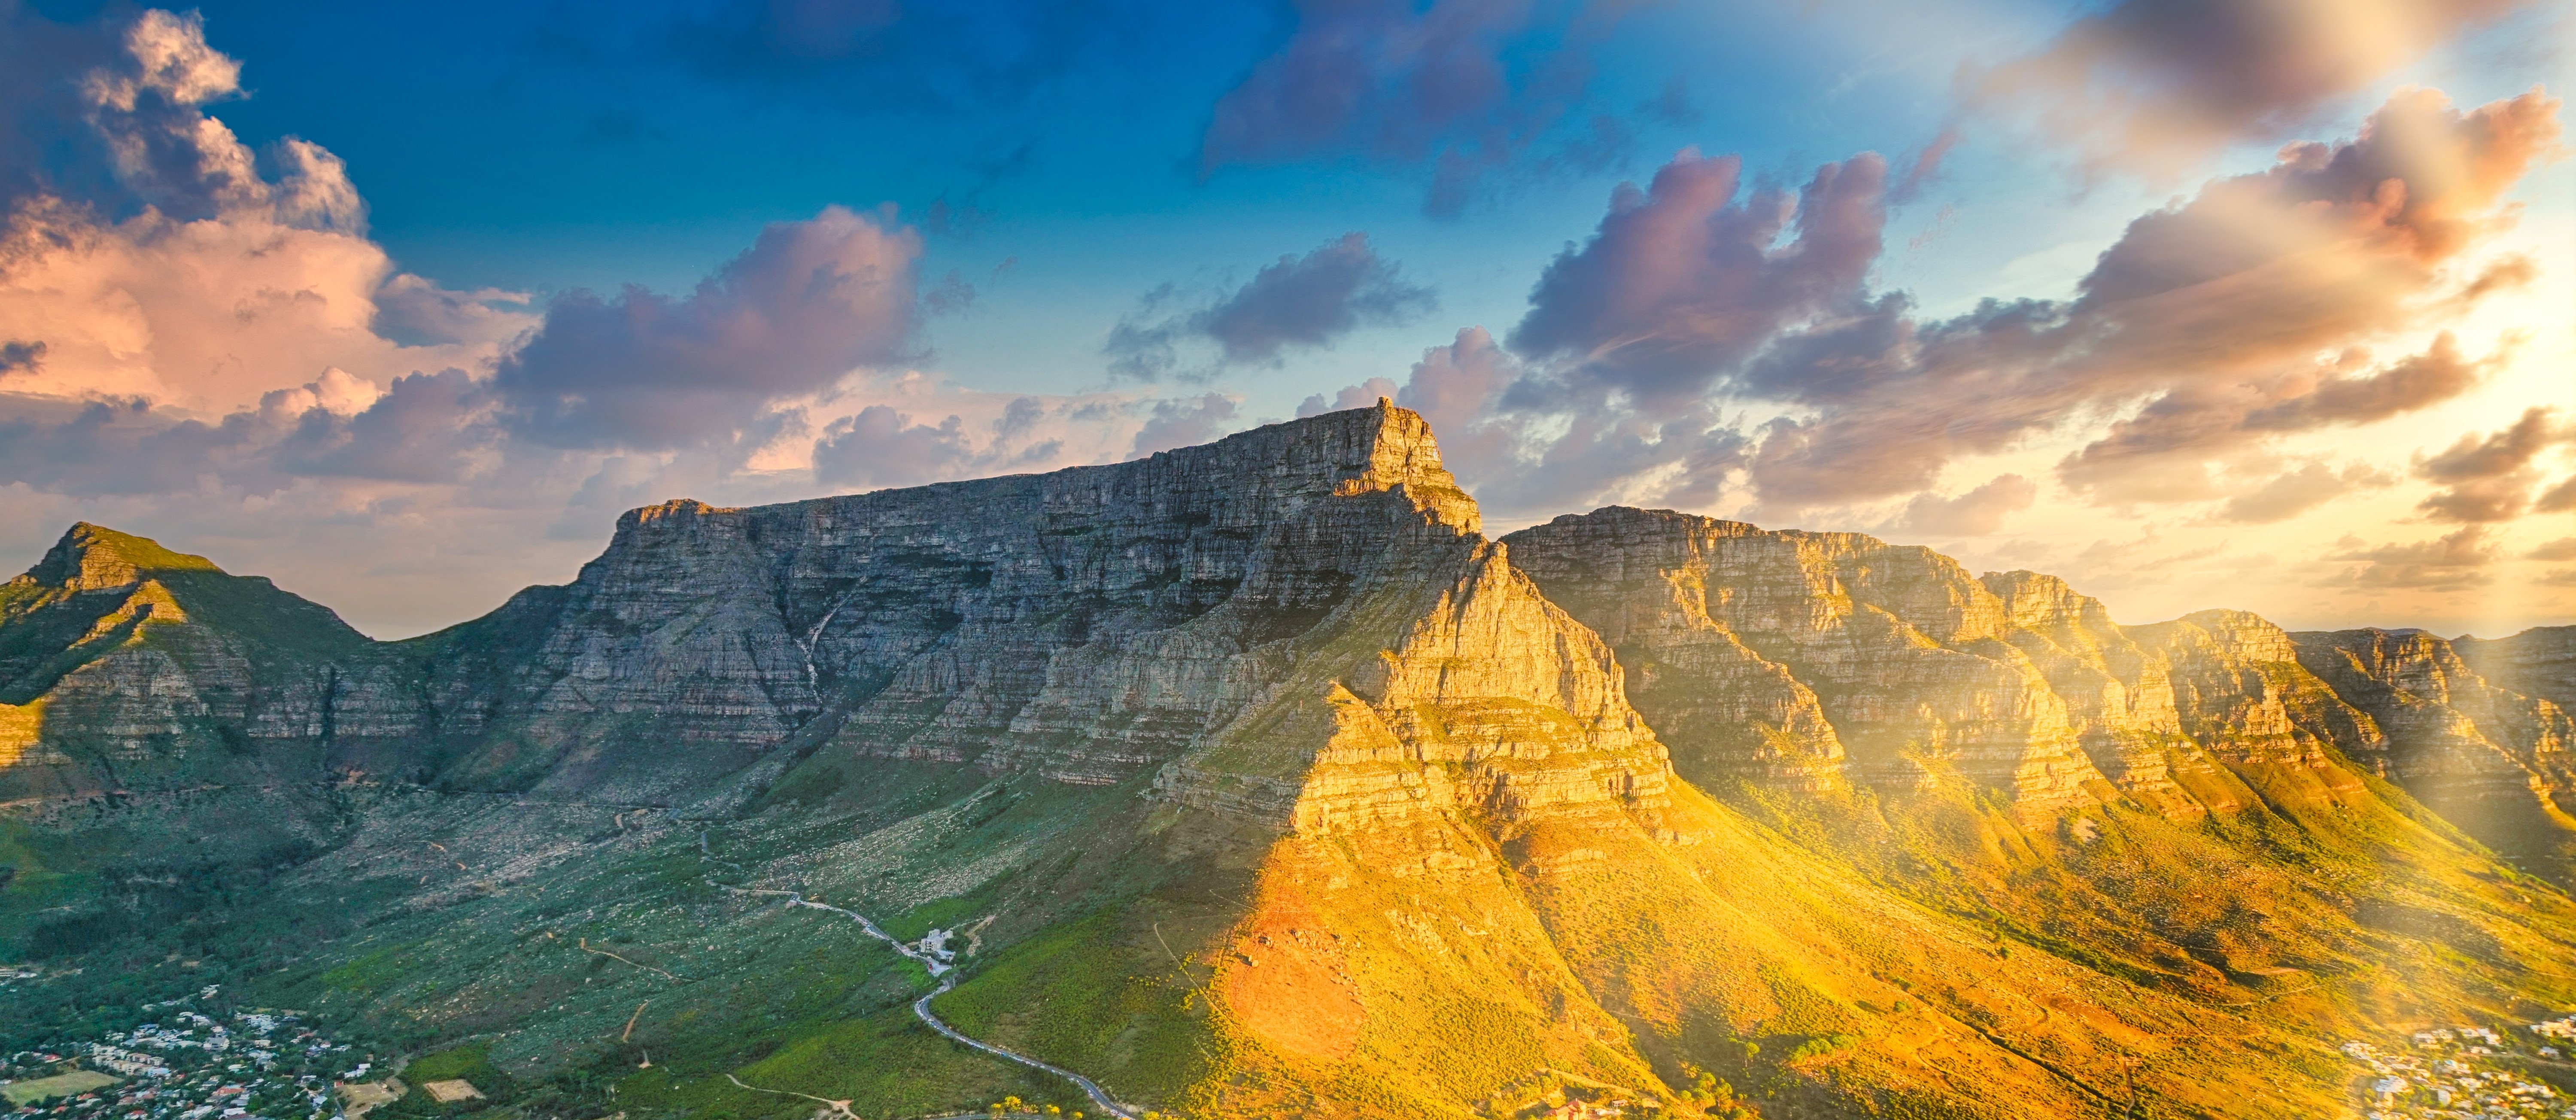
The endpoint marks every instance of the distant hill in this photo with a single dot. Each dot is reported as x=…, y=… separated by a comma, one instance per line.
x=1252, y=779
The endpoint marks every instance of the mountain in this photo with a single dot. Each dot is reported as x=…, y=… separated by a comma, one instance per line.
x=1254, y=780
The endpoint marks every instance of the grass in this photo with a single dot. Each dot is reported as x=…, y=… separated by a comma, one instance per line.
x=471, y=1063
x=1076, y=996
x=68, y=1084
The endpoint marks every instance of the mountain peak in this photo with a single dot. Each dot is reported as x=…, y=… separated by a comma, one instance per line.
x=97, y=558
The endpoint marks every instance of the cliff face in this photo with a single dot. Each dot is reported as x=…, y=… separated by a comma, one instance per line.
x=1090, y=625
x=1800, y=660
x=2494, y=761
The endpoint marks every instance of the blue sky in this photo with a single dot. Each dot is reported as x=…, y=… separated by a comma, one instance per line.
x=537, y=147
x=372, y=340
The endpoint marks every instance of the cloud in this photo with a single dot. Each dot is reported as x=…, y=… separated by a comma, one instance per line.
x=1681, y=281
x=2111, y=565
x=147, y=253
x=2557, y=499
x=1976, y=513
x=2291, y=493
x=2203, y=321
x=1528, y=463
x=809, y=302
x=2436, y=375
x=2448, y=563
x=2490, y=477
x=1362, y=395
x=1925, y=168
x=1461, y=87
x=425, y=428
x=2155, y=86
x=2564, y=548
x=1312, y=300
x=2212, y=327
x=203, y=343
x=1184, y=422
x=144, y=105
x=881, y=445
x=420, y=313
x=1306, y=302
x=112, y=448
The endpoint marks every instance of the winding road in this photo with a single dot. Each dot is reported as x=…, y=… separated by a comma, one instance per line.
x=946, y=974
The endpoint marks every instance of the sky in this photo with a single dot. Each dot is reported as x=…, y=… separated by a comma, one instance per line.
x=2260, y=304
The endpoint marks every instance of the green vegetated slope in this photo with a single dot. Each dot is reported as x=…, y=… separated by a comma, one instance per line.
x=1252, y=780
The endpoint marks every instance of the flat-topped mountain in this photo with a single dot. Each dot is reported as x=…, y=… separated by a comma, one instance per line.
x=1251, y=779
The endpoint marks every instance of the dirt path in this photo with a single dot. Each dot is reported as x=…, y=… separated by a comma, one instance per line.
x=946, y=974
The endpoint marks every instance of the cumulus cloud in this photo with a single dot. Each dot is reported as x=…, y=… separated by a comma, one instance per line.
x=1463, y=87
x=2157, y=85
x=2490, y=477
x=144, y=105
x=2291, y=493
x=881, y=445
x=2452, y=562
x=146, y=253
x=809, y=302
x=1682, y=281
x=2564, y=548
x=426, y=428
x=1295, y=302
x=1976, y=513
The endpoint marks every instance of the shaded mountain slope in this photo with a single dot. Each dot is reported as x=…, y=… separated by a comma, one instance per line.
x=2539, y=662
x=2499, y=764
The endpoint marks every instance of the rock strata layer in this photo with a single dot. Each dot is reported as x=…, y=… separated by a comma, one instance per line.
x=1801, y=660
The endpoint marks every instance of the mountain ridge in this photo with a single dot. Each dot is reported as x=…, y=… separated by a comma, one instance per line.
x=1273, y=786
